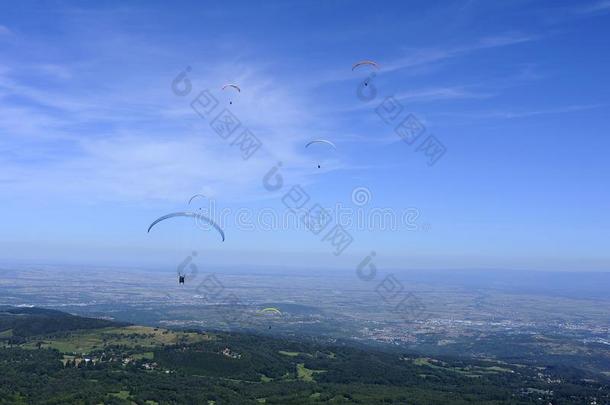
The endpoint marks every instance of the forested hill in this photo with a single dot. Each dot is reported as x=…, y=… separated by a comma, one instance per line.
x=22, y=322
x=65, y=359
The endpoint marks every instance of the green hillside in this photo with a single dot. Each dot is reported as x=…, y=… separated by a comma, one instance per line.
x=20, y=323
x=145, y=365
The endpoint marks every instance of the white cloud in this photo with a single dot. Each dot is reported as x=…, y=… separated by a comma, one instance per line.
x=123, y=142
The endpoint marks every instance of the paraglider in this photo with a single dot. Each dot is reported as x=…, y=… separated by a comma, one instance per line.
x=231, y=86
x=321, y=141
x=366, y=63
x=271, y=311
x=197, y=217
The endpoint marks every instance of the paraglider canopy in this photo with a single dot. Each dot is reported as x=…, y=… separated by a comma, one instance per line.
x=365, y=63
x=270, y=310
x=327, y=142
x=195, y=196
x=321, y=141
x=230, y=85
x=191, y=215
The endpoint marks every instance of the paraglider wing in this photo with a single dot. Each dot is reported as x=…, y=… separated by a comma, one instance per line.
x=195, y=196
x=213, y=224
x=191, y=215
x=321, y=141
x=365, y=62
x=271, y=310
x=236, y=87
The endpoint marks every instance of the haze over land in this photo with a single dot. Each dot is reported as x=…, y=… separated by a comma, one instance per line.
x=446, y=313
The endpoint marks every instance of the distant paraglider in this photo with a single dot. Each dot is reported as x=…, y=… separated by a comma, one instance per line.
x=321, y=141
x=271, y=311
x=231, y=86
x=370, y=63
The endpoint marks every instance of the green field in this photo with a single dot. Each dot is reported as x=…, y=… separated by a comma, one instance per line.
x=469, y=371
x=289, y=354
x=305, y=374
x=121, y=394
x=85, y=342
x=6, y=333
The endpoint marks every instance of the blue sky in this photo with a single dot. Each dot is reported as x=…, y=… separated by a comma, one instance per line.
x=95, y=145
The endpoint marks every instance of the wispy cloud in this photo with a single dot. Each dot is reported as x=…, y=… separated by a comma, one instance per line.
x=424, y=95
x=418, y=57
x=125, y=141
x=127, y=158
x=4, y=30
x=441, y=93
x=504, y=114
x=600, y=6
